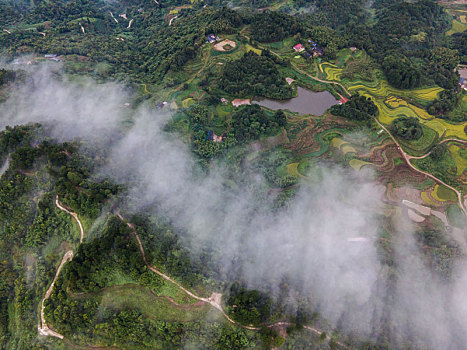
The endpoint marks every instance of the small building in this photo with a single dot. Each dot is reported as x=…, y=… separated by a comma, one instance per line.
x=299, y=48
x=224, y=100
x=240, y=102
x=212, y=38
x=353, y=49
x=49, y=56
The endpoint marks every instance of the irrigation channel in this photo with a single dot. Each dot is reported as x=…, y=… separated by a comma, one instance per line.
x=214, y=300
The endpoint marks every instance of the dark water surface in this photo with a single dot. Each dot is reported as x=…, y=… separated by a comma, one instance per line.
x=306, y=102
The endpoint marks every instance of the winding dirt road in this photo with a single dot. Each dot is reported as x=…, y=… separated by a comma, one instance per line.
x=43, y=327
x=407, y=160
x=215, y=299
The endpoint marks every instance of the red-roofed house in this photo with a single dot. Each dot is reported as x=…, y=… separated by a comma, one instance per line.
x=299, y=47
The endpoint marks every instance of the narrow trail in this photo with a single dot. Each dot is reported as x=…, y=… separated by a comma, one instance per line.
x=43, y=327
x=170, y=22
x=129, y=23
x=111, y=14
x=216, y=298
x=59, y=206
x=407, y=159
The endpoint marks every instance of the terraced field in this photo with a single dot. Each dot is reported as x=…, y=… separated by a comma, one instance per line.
x=319, y=138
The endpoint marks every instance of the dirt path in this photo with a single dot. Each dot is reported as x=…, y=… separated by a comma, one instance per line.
x=129, y=23
x=407, y=160
x=43, y=327
x=59, y=206
x=111, y=14
x=171, y=20
x=6, y=30
x=216, y=298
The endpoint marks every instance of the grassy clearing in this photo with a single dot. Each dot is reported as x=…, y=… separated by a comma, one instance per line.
x=153, y=307
x=292, y=169
x=457, y=27
x=251, y=48
x=444, y=169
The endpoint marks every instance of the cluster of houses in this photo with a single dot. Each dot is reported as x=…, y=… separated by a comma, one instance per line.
x=314, y=51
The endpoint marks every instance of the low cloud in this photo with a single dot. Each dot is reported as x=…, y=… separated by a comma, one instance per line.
x=324, y=243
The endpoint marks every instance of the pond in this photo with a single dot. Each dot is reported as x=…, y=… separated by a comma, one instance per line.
x=306, y=102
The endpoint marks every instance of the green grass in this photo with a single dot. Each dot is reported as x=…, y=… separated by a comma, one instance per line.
x=444, y=169
x=152, y=306
x=447, y=194
x=457, y=27
x=423, y=144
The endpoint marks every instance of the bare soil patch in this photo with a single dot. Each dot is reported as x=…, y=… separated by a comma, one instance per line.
x=225, y=45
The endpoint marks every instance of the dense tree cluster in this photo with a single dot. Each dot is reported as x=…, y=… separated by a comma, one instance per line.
x=272, y=26
x=459, y=43
x=250, y=122
x=6, y=76
x=254, y=75
x=438, y=152
x=408, y=128
x=357, y=108
x=398, y=40
x=445, y=102
x=401, y=72
x=248, y=306
x=91, y=268
x=336, y=14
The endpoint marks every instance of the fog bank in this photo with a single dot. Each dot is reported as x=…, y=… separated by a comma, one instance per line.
x=324, y=243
